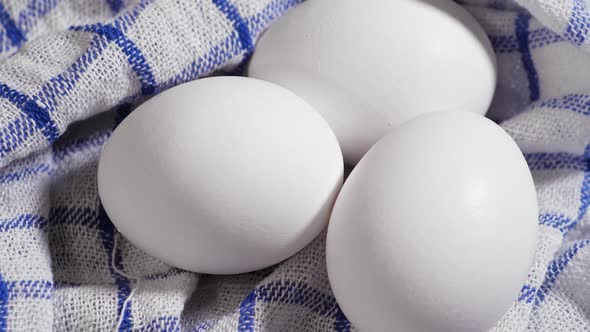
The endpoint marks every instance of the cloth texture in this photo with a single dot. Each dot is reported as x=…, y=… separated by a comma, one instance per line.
x=71, y=70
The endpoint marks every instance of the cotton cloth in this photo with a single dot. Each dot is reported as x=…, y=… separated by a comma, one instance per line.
x=71, y=70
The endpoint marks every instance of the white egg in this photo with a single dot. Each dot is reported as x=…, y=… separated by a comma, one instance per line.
x=370, y=65
x=221, y=175
x=435, y=229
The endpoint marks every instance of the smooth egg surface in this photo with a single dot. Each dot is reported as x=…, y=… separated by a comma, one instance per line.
x=221, y=175
x=370, y=65
x=435, y=229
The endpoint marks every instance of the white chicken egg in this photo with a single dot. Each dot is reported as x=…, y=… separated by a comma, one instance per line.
x=435, y=229
x=221, y=175
x=370, y=65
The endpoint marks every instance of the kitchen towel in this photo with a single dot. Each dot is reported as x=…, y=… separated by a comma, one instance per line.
x=71, y=70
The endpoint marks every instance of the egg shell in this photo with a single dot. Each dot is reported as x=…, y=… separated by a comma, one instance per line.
x=370, y=65
x=221, y=175
x=435, y=229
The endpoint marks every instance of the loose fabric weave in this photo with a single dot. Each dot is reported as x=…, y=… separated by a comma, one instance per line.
x=70, y=70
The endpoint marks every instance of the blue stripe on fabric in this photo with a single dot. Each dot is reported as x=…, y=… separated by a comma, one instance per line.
x=34, y=10
x=163, y=275
x=25, y=173
x=30, y=289
x=15, y=133
x=522, y=34
x=74, y=216
x=12, y=31
x=579, y=23
x=247, y=318
x=557, y=221
x=341, y=323
x=577, y=103
x=204, y=326
x=527, y=294
x=129, y=17
x=239, y=24
x=217, y=55
x=62, y=84
x=298, y=293
x=79, y=144
x=542, y=37
x=293, y=293
x=66, y=284
x=31, y=109
x=65, y=82
x=25, y=221
x=585, y=190
x=556, y=267
x=135, y=57
x=138, y=63
x=504, y=43
x=107, y=235
x=272, y=11
x=115, y=5
x=3, y=304
x=164, y=324
x=553, y=161
x=228, y=48
x=537, y=39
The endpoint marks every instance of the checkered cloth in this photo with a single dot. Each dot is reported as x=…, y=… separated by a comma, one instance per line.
x=70, y=70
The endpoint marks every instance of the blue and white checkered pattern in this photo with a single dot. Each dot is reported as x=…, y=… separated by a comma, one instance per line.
x=71, y=70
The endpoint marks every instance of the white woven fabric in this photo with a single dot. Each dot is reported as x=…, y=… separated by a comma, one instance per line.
x=70, y=70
